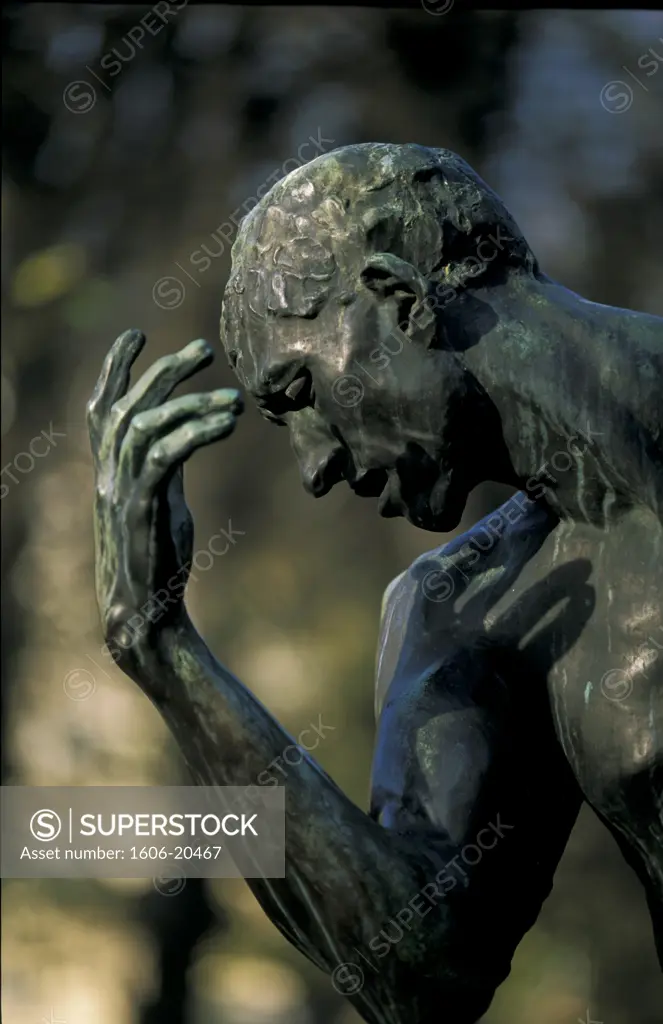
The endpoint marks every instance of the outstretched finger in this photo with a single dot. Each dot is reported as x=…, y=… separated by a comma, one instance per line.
x=114, y=377
x=152, y=424
x=163, y=462
x=177, y=447
x=162, y=378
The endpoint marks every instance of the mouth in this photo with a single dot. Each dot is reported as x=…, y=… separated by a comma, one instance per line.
x=384, y=485
x=372, y=484
x=433, y=509
x=426, y=508
x=390, y=505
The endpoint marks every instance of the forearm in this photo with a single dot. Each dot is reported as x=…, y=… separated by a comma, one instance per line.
x=345, y=875
x=226, y=735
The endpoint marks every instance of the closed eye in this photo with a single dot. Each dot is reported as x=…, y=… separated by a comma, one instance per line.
x=300, y=389
x=297, y=395
x=271, y=418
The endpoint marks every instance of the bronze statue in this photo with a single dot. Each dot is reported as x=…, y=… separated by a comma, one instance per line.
x=385, y=307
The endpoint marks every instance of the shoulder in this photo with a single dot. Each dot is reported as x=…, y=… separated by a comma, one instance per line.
x=421, y=615
x=517, y=528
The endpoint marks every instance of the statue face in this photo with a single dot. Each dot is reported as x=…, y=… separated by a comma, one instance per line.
x=365, y=402
x=324, y=270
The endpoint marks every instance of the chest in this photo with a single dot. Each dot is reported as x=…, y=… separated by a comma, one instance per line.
x=585, y=617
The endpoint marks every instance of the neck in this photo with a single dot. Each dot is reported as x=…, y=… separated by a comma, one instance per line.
x=574, y=385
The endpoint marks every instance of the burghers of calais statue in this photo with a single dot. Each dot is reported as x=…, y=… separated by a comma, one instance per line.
x=385, y=307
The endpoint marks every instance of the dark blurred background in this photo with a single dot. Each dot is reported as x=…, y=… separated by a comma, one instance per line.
x=123, y=153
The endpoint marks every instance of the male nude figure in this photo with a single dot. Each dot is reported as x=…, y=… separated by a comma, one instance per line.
x=384, y=306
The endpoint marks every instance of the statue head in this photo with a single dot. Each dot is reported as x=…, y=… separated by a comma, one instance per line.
x=346, y=313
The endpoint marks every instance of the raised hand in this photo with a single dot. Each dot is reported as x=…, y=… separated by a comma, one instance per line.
x=347, y=878
x=143, y=527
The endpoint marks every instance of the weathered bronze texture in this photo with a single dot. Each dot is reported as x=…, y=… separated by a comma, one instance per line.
x=384, y=305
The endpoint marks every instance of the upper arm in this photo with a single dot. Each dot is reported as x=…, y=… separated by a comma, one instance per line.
x=435, y=737
x=387, y=648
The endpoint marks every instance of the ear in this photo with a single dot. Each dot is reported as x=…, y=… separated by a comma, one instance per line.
x=396, y=280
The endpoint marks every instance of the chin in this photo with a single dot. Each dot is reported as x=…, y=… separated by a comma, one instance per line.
x=421, y=515
x=443, y=521
x=437, y=509
x=440, y=511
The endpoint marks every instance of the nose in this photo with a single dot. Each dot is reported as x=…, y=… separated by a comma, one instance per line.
x=321, y=470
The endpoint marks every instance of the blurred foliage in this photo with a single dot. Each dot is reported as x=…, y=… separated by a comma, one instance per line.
x=121, y=156
x=47, y=275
